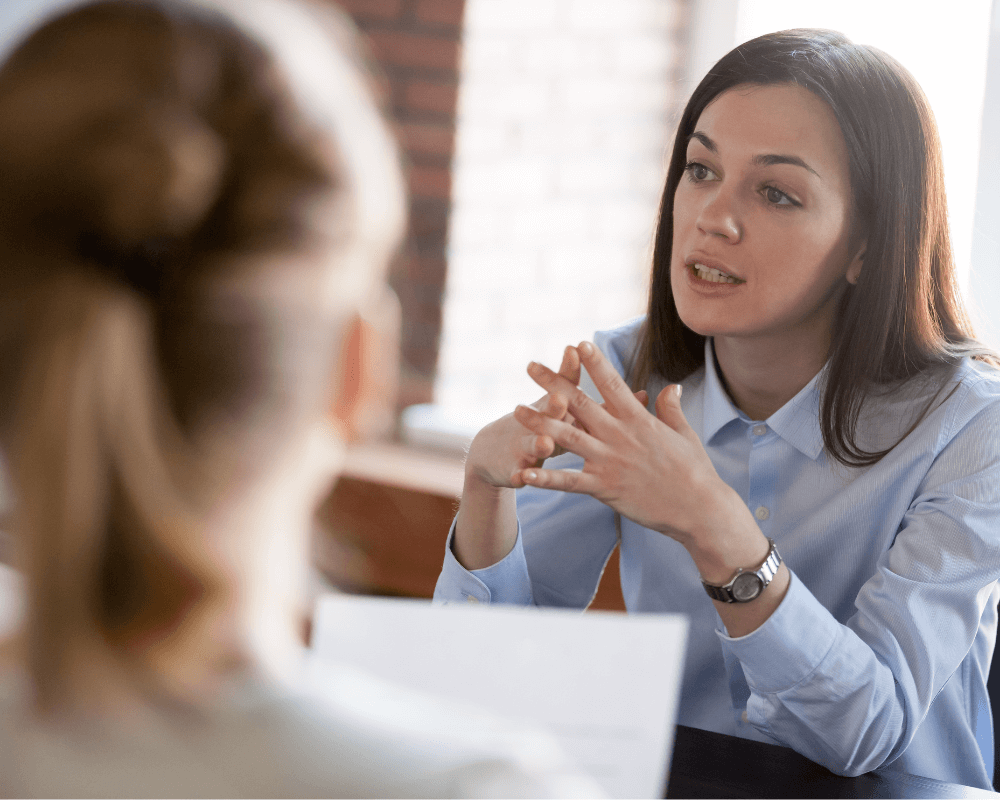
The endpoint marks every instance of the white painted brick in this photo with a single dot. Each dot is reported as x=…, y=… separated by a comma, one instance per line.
x=568, y=56
x=593, y=176
x=639, y=97
x=486, y=269
x=568, y=265
x=504, y=101
x=628, y=220
x=503, y=180
x=537, y=224
x=478, y=139
x=559, y=166
x=488, y=55
x=474, y=225
x=621, y=15
x=644, y=55
x=510, y=16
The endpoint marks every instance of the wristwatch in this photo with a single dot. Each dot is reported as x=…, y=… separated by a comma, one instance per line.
x=746, y=585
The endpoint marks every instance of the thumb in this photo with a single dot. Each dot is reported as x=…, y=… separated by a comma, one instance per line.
x=668, y=410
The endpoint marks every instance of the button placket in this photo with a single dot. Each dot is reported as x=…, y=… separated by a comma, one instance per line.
x=761, y=472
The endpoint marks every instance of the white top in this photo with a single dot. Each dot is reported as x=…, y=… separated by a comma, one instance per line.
x=341, y=734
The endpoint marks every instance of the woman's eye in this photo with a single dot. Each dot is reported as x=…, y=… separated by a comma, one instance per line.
x=777, y=197
x=698, y=172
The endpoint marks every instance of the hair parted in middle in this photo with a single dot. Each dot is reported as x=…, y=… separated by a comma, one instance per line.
x=905, y=315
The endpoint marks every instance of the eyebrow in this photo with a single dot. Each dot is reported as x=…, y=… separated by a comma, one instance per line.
x=761, y=160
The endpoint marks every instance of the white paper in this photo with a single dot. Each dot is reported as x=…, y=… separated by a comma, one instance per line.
x=604, y=684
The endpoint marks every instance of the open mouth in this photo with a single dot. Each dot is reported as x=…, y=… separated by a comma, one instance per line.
x=713, y=275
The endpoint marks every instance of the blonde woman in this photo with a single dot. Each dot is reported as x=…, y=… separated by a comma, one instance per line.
x=194, y=204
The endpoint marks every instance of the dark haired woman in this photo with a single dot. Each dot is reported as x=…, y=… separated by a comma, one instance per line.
x=830, y=476
x=195, y=205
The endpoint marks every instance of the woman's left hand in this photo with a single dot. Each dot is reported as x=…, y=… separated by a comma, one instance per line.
x=651, y=469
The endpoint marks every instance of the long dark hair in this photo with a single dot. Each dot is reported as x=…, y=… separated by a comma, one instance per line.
x=905, y=315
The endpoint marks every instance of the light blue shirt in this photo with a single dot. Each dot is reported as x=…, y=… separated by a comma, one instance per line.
x=880, y=650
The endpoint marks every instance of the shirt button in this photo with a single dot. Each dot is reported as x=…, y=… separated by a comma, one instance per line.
x=759, y=430
x=761, y=513
x=472, y=599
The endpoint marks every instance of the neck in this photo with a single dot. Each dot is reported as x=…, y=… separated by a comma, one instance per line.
x=762, y=375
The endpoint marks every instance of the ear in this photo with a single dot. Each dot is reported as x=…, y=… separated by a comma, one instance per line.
x=854, y=270
x=366, y=371
x=349, y=378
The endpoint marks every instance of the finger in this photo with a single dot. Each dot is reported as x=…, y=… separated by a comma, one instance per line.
x=564, y=434
x=593, y=415
x=537, y=448
x=570, y=367
x=561, y=480
x=642, y=396
x=617, y=395
x=669, y=412
x=556, y=405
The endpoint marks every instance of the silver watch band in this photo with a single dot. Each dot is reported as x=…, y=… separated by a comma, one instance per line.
x=746, y=585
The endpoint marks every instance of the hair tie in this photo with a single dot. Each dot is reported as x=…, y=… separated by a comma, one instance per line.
x=143, y=267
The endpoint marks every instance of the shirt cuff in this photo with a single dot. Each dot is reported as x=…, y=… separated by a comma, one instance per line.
x=789, y=646
x=506, y=581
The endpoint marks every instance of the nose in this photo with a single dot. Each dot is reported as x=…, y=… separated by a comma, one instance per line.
x=720, y=216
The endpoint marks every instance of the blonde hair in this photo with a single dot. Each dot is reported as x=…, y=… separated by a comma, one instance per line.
x=151, y=153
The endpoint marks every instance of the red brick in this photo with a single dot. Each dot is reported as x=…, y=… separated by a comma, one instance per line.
x=441, y=12
x=430, y=181
x=430, y=96
x=427, y=138
x=429, y=270
x=415, y=50
x=364, y=10
x=373, y=10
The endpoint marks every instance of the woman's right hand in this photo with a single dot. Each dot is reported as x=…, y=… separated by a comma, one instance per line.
x=486, y=526
x=504, y=447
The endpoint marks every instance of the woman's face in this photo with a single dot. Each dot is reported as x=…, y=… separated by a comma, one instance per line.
x=762, y=235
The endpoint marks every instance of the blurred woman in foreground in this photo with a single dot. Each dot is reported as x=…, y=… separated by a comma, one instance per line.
x=194, y=204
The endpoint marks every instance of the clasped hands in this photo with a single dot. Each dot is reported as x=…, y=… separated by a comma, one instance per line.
x=650, y=468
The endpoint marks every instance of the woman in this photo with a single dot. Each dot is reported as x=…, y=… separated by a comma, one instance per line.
x=194, y=205
x=830, y=475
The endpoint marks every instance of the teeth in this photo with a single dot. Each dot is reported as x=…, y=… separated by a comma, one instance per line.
x=713, y=275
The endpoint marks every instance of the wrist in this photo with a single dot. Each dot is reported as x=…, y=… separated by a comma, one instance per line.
x=726, y=540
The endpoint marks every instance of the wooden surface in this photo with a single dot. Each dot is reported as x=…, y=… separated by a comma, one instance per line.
x=383, y=529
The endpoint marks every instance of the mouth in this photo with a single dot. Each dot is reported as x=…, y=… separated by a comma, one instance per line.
x=713, y=275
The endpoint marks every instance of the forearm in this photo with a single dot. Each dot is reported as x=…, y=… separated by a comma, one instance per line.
x=486, y=525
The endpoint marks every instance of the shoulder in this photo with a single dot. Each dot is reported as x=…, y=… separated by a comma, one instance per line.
x=970, y=392
x=355, y=734
x=619, y=343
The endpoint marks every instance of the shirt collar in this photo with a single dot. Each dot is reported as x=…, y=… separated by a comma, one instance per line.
x=797, y=422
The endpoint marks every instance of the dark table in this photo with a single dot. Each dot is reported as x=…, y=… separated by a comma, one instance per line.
x=716, y=765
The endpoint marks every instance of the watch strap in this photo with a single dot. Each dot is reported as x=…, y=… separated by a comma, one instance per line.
x=764, y=574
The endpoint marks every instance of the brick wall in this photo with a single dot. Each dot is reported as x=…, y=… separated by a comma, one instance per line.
x=566, y=110
x=416, y=43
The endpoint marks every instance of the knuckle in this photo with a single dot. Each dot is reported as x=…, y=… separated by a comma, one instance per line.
x=578, y=399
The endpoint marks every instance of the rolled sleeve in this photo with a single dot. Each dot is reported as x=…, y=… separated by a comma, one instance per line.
x=506, y=581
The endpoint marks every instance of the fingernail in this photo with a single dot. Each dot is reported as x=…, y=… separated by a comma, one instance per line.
x=677, y=390
x=531, y=476
x=586, y=348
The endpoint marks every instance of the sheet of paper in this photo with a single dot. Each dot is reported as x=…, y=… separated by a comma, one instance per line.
x=604, y=684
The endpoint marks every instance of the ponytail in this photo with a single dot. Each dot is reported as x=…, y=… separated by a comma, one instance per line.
x=110, y=545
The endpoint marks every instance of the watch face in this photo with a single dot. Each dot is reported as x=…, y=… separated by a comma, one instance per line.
x=747, y=586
